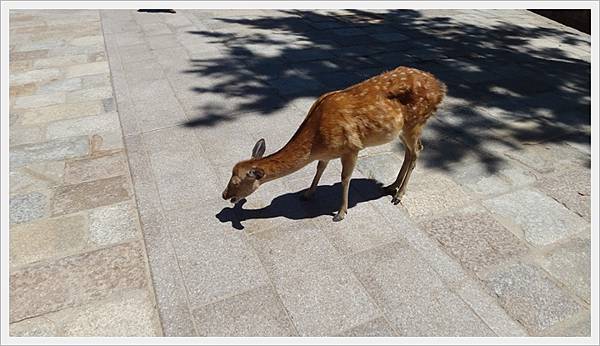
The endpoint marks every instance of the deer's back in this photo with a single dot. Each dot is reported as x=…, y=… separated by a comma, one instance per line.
x=376, y=110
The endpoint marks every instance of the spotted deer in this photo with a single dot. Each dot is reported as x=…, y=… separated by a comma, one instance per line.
x=339, y=124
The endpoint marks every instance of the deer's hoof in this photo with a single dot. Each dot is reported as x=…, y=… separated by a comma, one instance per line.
x=396, y=200
x=339, y=217
x=390, y=190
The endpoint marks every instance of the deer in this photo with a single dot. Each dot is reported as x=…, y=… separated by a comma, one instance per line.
x=393, y=104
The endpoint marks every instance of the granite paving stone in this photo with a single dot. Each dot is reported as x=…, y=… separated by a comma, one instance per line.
x=570, y=264
x=324, y=299
x=61, y=85
x=475, y=238
x=216, y=261
x=35, y=76
x=531, y=297
x=60, y=112
x=28, y=207
x=258, y=312
x=74, y=280
x=484, y=195
x=83, y=126
x=424, y=306
x=112, y=224
x=376, y=328
x=91, y=94
x=571, y=187
x=26, y=135
x=131, y=314
x=71, y=198
x=39, y=100
x=540, y=219
x=182, y=176
x=88, y=169
x=87, y=69
x=36, y=177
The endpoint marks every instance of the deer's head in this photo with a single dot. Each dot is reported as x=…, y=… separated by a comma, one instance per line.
x=245, y=176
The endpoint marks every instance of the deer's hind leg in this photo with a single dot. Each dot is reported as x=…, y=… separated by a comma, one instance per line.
x=412, y=147
x=348, y=164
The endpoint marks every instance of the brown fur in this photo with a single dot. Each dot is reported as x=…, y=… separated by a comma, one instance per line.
x=341, y=123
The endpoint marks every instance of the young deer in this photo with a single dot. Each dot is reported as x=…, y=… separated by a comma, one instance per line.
x=343, y=122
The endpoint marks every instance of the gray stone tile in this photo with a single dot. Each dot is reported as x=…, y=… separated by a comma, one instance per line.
x=579, y=326
x=113, y=224
x=88, y=169
x=571, y=187
x=548, y=157
x=26, y=135
x=76, y=280
x=182, y=176
x=324, y=299
x=126, y=38
x=135, y=53
x=71, y=198
x=429, y=194
x=152, y=29
x=48, y=238
x=83, y=126
x=530, y=297
x=87, y=69
x=570, y=264
x=254, y=313
x=25, y=208
x=129, y=315
x=91, y=94
x=285, y=249
x=60, y=112
x=476, y=177
x=539, y=218
x=151, y=91
x=362, y=229
x=36, y=177
x=162, y=41
x=216, y=261
x=169, y=288
x=34, y=76
x=376, y=328
x=475, y=238
x=61, y=85
x=60, y=61
x=412, y=295
x=154, y=115
x=41, y=100
x=488, y=309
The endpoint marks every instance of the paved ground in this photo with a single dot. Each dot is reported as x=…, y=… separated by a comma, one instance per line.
x=77, y=259
x=493, y=237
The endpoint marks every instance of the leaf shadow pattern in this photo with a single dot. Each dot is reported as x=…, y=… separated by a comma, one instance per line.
x=511, y=83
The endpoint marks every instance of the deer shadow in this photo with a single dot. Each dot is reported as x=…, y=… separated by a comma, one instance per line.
x=325, y=201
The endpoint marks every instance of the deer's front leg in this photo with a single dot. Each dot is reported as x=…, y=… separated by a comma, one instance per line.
x=348, y=163
x=311, y=190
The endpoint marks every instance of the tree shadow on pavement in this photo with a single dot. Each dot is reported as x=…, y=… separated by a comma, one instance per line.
x=508, y=85
x=325, y=201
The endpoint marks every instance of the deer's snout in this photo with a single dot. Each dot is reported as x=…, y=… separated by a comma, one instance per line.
x=225, y=197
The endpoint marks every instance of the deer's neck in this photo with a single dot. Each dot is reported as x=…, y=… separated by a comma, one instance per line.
x=292, y=157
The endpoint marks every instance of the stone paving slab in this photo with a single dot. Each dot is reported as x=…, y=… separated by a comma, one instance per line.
x=493, y=221
x=77, y=259
x=235, y=89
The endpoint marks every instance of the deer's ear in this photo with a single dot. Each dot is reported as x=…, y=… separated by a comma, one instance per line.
x=259, y=149
x=256, y=173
